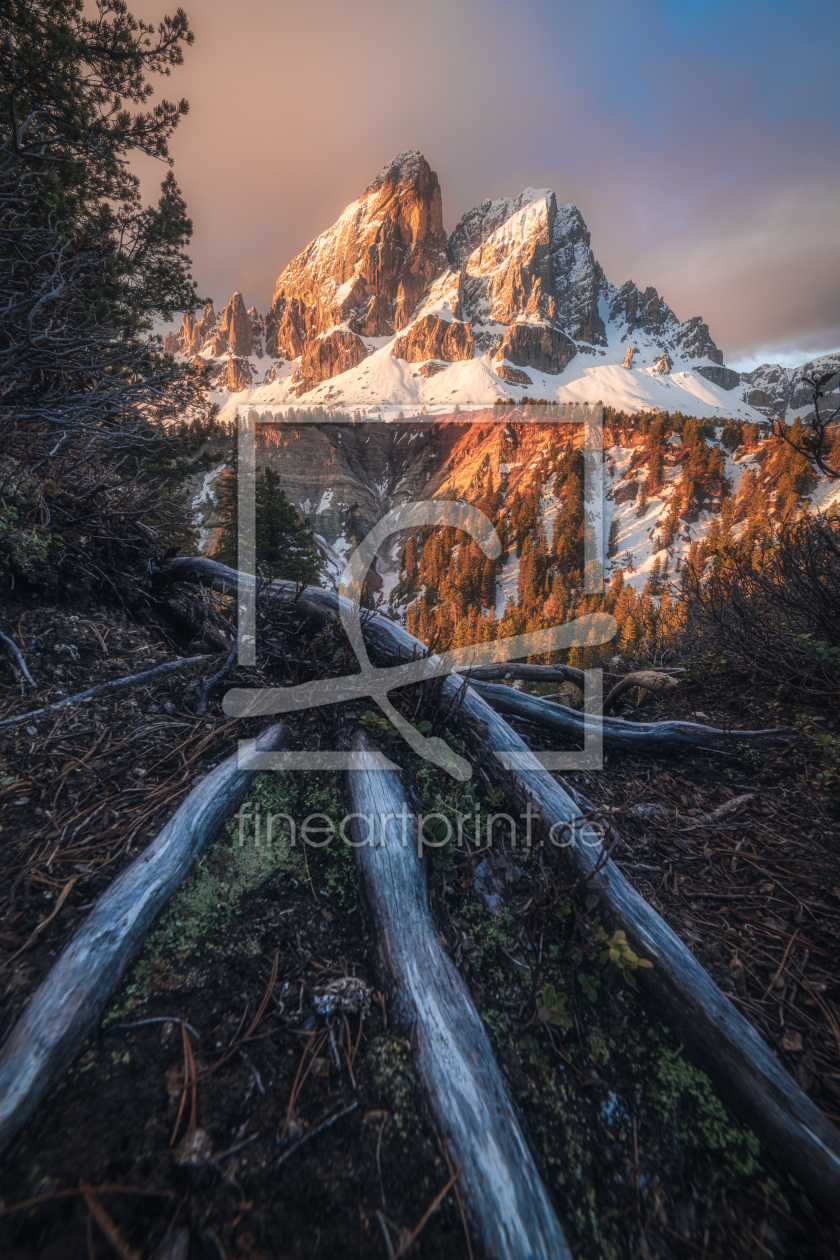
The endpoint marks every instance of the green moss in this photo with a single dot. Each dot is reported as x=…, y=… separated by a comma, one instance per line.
x=684, y=1094
x=204, y=913
x=495, y=1023
x=389, y=1065
x=338, y=873
x=491, y=935
x=598, y=1049
x=211, y=896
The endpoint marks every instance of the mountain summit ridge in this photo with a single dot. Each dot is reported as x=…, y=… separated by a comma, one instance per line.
x=365, y=314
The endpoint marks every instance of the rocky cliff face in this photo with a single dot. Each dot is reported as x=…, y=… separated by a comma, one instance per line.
x=578, y=279
x=537, y=346
x=517, y=281
x=648, y=313
x=780, y=391
x=235, y=375
x=725, y=377
x=509, y=273
x=335, y=352
x=229, y=342
x=431, y=337
x=371, y=268
x=235, y=328
x=257, y=331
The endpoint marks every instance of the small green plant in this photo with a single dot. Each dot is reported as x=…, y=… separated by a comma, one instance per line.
x=495, y=797
x=825, y=653
x=590, y=986
x=550, y=1010
x=381, y=725
x=374, y=722
x=617, y=951
x=563, y=911
x=439, y=835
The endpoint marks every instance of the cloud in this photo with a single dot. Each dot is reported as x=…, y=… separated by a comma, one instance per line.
x=698, y=139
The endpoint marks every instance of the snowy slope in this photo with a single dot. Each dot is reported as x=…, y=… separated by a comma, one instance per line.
x=393, y=385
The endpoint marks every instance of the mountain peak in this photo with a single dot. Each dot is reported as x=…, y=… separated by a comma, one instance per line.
x=368, y=271
x=513, y=302
x=406, y=168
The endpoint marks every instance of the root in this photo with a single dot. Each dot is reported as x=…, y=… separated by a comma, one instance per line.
x=106, y=689
x=467, y=1094
x=70, y=1002
x=744, y=1070
x=664, y=737
x=17, y=656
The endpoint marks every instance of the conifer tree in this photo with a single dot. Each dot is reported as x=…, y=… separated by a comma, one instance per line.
x=284, y=543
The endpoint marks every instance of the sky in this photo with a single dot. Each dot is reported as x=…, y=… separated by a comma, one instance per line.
x=700, y=140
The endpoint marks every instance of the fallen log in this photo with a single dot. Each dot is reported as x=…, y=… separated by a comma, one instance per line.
x=545, y=673
x=744, y=1070
x=106, y=689
x=70, y=1002
x=510, y=1206
x=647, y=680
x=527, y=673
x=662, y=737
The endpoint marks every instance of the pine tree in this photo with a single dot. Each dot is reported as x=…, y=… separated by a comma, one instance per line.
x=284, y=544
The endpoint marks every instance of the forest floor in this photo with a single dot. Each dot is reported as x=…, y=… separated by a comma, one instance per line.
x=307, y=1132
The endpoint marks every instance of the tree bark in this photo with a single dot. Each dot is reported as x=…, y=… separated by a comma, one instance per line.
x=528, y=673
x=510, y=1205
x=70, y=1002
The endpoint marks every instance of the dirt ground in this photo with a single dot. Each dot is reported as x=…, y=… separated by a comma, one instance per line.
x=307, y=1132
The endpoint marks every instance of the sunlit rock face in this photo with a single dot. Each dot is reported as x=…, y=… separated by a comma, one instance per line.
x=335, y=352
x=235, y=375
x=431, y=337
x=371, y=268
x=235, y=327
x=508, y=274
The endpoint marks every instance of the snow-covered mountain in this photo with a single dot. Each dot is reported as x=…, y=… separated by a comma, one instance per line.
x=785, y=392
x=383, y=310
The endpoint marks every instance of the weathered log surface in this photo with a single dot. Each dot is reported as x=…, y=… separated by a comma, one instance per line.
x=69, y=1003
x=660, y=737
x=510, y=1206
x=744, y=1070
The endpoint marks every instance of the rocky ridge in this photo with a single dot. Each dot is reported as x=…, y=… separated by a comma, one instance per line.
x=785, y=391
x=513, y=301
x=371, y=268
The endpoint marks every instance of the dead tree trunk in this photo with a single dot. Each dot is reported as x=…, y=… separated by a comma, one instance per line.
x=71, y=1000
x=661, y=737
x=744, y=1070
x=529, y=673
x=511, y=1209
